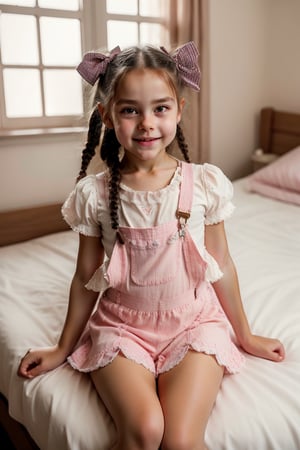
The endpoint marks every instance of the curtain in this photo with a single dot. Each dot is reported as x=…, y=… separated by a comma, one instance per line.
x=188, y=21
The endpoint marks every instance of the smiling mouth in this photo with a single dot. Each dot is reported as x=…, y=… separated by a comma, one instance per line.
x=149, y=139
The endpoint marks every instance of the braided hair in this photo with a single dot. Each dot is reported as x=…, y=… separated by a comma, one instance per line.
x=93, y=137
x=182, y=143
x=129, y=59
x=110, y=154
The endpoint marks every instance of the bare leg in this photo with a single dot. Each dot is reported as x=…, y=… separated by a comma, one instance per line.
x=187, y=394
x=128, y=391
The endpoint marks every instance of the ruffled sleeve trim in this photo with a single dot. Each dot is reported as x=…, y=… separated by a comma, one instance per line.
x=219, y=193
x=223, y=214
x=80, y=209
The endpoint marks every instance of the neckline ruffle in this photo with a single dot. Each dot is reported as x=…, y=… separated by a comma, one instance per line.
x=129, y=194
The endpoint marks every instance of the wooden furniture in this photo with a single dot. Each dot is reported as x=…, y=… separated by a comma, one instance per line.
x=28, y=223
x=279, y=133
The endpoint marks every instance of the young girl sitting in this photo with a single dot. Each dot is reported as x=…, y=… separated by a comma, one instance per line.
x=155, y=294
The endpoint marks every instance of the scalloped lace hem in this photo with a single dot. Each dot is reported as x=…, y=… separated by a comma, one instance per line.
x=233, y=364
x=105, y=358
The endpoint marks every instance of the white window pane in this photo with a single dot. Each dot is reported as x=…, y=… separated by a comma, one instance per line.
x=122, y=33
x=19, y=39
x=22, y=92
x=151, y=33
x=63, y=92
x=69, y=5
x=122, y=7
x=18, y=2
x=60, y=40
x=150, y=8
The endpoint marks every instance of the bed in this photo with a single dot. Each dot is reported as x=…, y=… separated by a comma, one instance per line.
x=256, y=409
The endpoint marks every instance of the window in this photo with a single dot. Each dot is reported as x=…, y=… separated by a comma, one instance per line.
x=41, y=45
x=42, y=42
x=134, y=22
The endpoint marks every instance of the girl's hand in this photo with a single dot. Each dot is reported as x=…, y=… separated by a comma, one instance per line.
x=264, y=348
x=39, y=361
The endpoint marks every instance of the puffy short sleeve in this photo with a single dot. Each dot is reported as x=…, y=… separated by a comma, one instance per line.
x=80, y=208
x=219, y=193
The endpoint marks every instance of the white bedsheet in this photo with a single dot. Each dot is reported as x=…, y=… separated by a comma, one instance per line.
x=258, y=409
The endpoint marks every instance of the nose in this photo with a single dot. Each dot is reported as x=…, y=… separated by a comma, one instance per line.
x=146, y=122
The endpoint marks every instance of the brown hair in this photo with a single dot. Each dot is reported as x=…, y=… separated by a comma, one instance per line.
x=129, y=59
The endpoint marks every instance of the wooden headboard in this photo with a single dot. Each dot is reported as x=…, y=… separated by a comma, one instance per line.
x=24, y=224
x=279, y=131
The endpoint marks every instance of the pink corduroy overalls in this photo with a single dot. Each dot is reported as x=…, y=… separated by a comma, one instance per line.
x=158, y=305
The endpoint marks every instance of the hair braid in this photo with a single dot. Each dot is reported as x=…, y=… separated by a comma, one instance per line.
x=182, y=143
x=95, y=124
x=114, y=72
x=110, y=154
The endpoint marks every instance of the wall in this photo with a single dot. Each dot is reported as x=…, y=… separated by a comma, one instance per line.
x=254, y=62
x=283, y=47
x=38, y=169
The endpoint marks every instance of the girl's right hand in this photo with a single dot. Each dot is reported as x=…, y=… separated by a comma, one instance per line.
x=39, y=361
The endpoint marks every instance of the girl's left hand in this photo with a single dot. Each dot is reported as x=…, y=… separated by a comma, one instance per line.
x=263, y=347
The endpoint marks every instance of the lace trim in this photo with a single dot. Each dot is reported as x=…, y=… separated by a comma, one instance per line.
x=220, y=215
x=233, y=366
x=233, y=360
x=130, y=195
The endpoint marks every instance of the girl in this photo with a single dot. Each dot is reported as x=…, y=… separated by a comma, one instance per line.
x=152, y=243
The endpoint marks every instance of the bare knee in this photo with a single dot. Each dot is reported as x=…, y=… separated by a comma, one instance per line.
x=187, y=445
x=182, y=440
x=144, y=433
x=148, y=431
x=132, y=402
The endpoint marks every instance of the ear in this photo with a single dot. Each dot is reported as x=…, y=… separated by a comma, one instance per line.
x=180, y=109
x=105, y=117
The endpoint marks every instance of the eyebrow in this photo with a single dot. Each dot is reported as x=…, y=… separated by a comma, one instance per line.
x=128, y=101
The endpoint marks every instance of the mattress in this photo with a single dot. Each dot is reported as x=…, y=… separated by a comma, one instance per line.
x=256, y=409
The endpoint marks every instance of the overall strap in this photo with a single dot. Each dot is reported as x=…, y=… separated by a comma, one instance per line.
x=185, y=197
x=186, y=191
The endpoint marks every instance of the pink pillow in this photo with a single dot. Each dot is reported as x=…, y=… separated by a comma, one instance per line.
x=279, y=180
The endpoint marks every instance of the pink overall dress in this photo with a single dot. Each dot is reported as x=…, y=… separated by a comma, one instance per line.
x=158, y=304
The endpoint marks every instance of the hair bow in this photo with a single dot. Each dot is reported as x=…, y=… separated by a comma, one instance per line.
x=185, y=58
x=94, y=64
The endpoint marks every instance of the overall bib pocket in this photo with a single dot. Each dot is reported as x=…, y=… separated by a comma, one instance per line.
x=154, y=262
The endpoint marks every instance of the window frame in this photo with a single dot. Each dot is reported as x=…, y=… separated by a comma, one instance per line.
x=93, y=37
x=136, y=18
x=13, y=123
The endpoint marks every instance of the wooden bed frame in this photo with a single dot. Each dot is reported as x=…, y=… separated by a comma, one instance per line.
x=279, y=133
x=24, y=224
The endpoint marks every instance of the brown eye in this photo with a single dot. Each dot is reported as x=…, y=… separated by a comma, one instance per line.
x=161, y=109
x=128, y=111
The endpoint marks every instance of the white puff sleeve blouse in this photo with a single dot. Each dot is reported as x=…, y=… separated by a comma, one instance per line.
x=86, y=209
x=81, y=207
